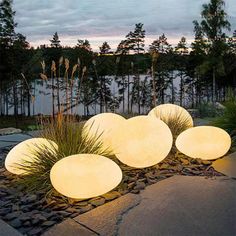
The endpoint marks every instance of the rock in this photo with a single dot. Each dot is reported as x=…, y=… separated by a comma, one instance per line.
x=15, y=207
x=97, y=201
x=184, y=161
x=81, y=203
x=38, y=218
x=4, y=211
x=12, y=215
x=16, y=223
x=27, y=223
x=112, y=195
x=71, y=210
x=164, y=166
x=86, y=208
x=205, y=162
x=64, y=213
x=139, y=185
x=60, y=206
x=35, y=231
x=135, y=191
x=29, y=199
x=48, y=223
x=9, y=130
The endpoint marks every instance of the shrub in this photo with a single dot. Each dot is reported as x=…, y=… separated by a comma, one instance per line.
x=67, y=134
x=227, y=120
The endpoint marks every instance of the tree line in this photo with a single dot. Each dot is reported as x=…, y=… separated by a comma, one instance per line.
x=144, y=78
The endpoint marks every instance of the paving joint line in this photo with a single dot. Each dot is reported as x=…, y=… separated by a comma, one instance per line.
x=85, y=226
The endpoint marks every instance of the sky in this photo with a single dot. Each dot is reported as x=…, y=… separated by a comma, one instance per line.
x=109, y=20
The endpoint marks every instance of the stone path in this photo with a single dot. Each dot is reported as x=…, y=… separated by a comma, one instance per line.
x=7, y=230
x=180, y=205
x=226, y=165
x=13, y=139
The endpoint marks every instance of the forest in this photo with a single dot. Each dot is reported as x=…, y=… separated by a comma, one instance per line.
x=131, y=79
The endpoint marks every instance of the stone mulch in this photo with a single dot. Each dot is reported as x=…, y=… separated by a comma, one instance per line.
x=33, y=213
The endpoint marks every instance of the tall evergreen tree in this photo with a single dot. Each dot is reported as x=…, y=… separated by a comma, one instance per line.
x=55, y=42
x=84, y=44
x=105, y=48
x=214, y=22
x=136, y=39
x=160, y=45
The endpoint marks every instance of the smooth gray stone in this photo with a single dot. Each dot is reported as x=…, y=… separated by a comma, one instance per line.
x=7, y=230
x=68, y=228
x=10, y=130
x=183, y=206
x=13, y=139
x=226, y=165
x=105, y=219
x=178, y=206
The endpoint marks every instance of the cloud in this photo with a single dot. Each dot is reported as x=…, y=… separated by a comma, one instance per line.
x=108, y=20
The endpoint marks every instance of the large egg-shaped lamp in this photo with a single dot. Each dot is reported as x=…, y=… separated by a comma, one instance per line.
x=101, y=128
x=176, y=117
x=143, y=141
x=205, y=142
x=84, y=176
x=26, y=151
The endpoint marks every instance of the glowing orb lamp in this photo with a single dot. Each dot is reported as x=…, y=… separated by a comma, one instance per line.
x=205, y=142
x=101, y=127
x=84, y=176
x=167, y=112
x=25, y=151
x=143, y=141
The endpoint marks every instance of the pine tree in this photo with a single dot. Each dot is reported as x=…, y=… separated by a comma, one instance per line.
x=84, y=44
x=136, y=39
x=105, y=48
x=55, y=42
x=213, y=24
x=160, y=45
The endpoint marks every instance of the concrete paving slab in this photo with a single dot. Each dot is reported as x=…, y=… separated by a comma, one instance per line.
x=226, y=165
x=105, y=219
x=13, y=139
x=7, y=230
x=184, y=205
x=180, y=205
x=69, y=228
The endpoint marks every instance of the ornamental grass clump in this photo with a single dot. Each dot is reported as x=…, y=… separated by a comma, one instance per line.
x=67, y=134
x=176, y=121
x=227, y=120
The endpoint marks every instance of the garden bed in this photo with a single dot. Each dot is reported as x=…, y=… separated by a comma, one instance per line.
x=33, y=213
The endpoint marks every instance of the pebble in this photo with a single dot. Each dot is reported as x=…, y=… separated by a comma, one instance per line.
x=86, y=208
x=16, y=223
x=97, y=201
x=111, y=196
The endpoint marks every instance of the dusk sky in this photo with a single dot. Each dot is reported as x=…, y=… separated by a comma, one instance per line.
x=109, y=20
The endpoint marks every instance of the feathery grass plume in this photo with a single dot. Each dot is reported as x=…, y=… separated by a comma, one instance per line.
x=43, y=65
x=61, y=59
x=53, y=68
x=73, y=70
x=67, y=134
x=78, y=62
x=176, y=121
x=67, y=64
x=94, y=62
x=84, y=69
x=227, y=120
x=43, y=76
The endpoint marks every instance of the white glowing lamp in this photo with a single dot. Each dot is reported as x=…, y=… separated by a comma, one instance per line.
x=26, y=151
x=143, y=141
x=205, y=142
x=84, y=176
x=102, y=126
x=168, y=111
